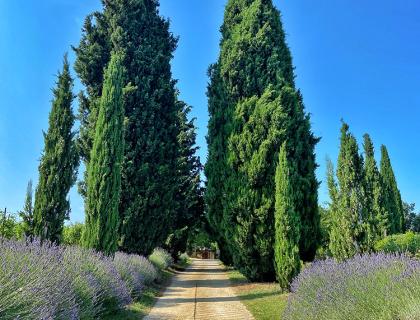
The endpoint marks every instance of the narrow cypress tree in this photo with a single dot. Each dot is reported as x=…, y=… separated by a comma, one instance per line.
x=254, y=107
x=347, y=232
x=57, y=170
x=27, y=214
x=377, y=219
x=393, y=202
x=104, y=171
x=287, y=224
x=149, y=172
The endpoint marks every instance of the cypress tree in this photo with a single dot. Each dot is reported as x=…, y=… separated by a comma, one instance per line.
x=149, y=172
x=189, y=198
x=393, y=202
x=104, y=171
x=348, y=210
x=287, y=224
x=377, y=219
x=58, y=166
x=27, y=214
x=252, y=79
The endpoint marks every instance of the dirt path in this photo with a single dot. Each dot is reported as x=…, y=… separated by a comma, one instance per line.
x=202, y=292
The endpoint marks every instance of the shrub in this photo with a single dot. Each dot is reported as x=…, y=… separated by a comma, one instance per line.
x=72, y=234
x=45, y=281
x=161, y=258
x=377, y=286
x=98, y=284
x=403, y=243
x=33, y=282
x=129, y=273
x=145, y=268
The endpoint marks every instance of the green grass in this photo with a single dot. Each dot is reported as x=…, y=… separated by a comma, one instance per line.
x=265, y=301
x=142, y=306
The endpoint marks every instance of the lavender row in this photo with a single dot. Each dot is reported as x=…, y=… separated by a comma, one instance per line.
x=55, y=282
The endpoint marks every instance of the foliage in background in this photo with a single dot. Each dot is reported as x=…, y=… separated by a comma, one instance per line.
x=27, y=214
x=72, y=234
x=376, y=286
x=393, y=202
x=104, y=170
x=58, y=165
x=400, y=243
x=287, y=223
x=254, y=107
x=10, y=228
x=412, y=219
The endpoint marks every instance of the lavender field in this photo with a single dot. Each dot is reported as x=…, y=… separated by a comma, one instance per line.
x=57, y=282
x=374, y=286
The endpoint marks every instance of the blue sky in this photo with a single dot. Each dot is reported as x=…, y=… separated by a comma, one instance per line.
x=356, y=60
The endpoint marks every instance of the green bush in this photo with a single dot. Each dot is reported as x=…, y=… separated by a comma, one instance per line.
x=72, y=234
x=161, y=258
x=402, y=243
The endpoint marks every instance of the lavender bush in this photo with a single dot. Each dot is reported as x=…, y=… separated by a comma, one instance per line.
x=56, y=282
x=161, y=258
x=377, y=286
x=34, y=284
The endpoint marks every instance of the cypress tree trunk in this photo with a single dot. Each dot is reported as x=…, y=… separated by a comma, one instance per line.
x=254, y=107
x=149, y=173
x=393, y=202
x=59, y=161
x=104, y=171
x=287, y=224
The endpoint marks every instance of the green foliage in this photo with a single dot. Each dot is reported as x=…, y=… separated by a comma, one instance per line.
x=72, y=234
x=393, y=202
x=287, y=223
x=59, y=162
x=254, y=107
x=161, y=259
x=348, y=210
x=10, y=228
x=402, y=243
x=376, y=222
x=27, y=214
x=104, y=171
x=150, y=170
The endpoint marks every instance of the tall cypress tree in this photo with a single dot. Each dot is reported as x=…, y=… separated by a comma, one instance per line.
x=57, y=170
x=27, y=214
x=393, y=202
x=287, y=224
x=252, y=79
x=104, y=171
x=377, y=218
x=348, y=209
x=149, y=172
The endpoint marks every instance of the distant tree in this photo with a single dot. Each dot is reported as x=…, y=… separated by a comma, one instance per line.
x=27, y=214
x=59, y=162
x=393, y=202
x=104, y=170
x=376, y=222
x=409, y=215
x=348, y=208
x=287, y=223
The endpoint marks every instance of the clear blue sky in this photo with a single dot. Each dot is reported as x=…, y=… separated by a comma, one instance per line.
x=357, y=60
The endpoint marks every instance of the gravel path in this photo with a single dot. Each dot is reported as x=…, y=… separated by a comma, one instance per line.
x=202, y=292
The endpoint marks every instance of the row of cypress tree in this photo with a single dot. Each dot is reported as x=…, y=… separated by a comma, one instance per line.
x=365, y=203
x=142, y=177
x=263, y=210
